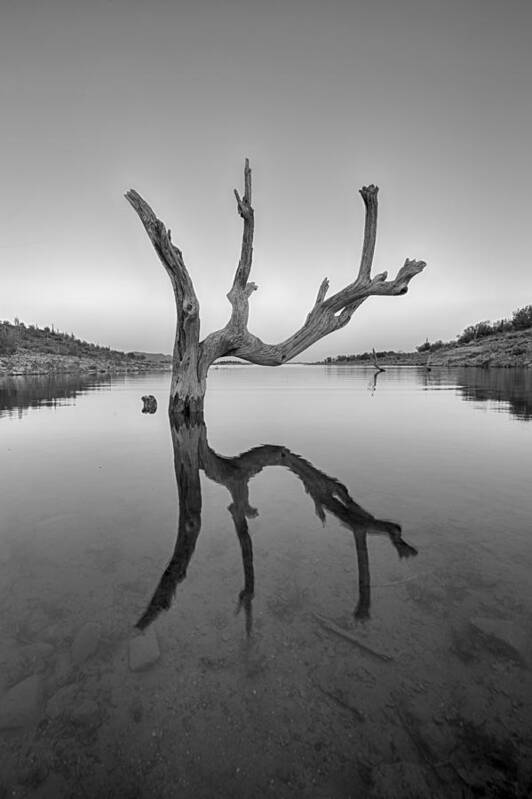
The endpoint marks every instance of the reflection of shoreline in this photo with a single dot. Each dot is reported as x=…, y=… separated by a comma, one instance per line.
x=511, y=388
x=19, y=393
x=193, y=454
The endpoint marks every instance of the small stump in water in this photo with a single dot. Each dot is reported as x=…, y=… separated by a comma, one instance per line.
x=150, y=404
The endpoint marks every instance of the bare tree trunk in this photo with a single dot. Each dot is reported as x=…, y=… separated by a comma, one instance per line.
x=189, y=375
x=192, y=358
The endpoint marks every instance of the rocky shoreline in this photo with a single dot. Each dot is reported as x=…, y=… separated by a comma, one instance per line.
x=28, y=362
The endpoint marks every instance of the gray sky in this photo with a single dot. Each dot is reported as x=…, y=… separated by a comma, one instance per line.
x=429, y=99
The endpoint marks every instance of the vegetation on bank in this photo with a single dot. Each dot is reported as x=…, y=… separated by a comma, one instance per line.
x=484, y=333
x=47, y=340
x=521, y=320
x=31, y=350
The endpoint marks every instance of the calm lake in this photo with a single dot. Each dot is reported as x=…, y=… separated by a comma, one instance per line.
x=342, y=609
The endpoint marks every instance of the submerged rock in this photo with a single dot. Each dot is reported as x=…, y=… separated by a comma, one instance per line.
x=86, y=714
x=143, y=651
x=34, y=769
x=36, y=653
x=62, y=702
x=54, y=634
x=150, y=404
x=37, y=622
x=63, y=668
x=392, y=780
x=85, y=643
x=503, y=637
x=21, y=705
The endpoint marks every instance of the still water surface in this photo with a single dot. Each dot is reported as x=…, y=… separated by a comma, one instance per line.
x=341, y=608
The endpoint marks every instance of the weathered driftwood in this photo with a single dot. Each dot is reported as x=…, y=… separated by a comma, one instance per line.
x=376, y=363
x=340, y=631
x=192, y=454
x=192, y=357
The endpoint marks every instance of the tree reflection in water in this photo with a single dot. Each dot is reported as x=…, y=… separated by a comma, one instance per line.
x=193, y=454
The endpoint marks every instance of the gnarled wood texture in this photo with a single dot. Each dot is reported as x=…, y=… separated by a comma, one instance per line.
x=193, y=358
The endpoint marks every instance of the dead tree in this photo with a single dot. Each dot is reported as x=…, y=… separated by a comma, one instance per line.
x=193, y=454
x=192, y=357
x=376, y=363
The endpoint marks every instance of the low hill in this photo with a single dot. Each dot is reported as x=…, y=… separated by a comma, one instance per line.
x=505, y=343
x=499, y=349
x=28, y=349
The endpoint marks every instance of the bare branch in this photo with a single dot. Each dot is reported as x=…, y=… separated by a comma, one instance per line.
x=169, y=255
x=398, y=286
x=322, y=291
x=369, y=195
x=326, y=316
x=245, y=210
x=378, y=286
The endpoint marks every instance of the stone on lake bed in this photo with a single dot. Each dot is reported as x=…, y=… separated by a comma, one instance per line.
x=86, y=714
x=504, y=636
x=63, y=668
x=392, y=780
x=143, y=651
x=54, y=634
x=62, y=702
x=20, y=706
x=36, y=652
x=85, y=643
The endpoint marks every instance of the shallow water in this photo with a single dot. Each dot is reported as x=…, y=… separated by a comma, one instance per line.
x=342, y=611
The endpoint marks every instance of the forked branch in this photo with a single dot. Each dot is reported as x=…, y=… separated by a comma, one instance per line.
x=327, y=314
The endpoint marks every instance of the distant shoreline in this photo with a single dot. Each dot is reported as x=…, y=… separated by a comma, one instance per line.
x=505, y=350
x=501, y=350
